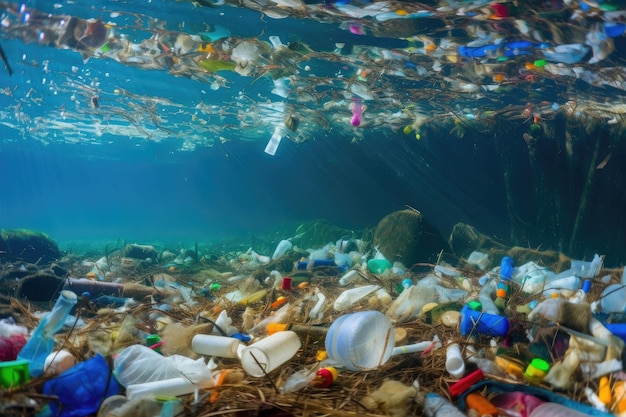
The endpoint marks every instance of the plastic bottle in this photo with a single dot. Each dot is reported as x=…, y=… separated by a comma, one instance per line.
x=138, y=364
x=349, y=277
x=360, y=341
x=41, y=342
x=353, y=295
x=274, y=141
x=219, y=346
x=437, y=406
x=269, y=353
x=282, y=248
x=566, y=54
x=484, y=323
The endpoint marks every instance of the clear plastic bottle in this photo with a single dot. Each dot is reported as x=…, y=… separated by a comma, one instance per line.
x=41, y=342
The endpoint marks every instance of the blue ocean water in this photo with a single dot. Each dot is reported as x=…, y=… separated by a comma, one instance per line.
x=158, y=129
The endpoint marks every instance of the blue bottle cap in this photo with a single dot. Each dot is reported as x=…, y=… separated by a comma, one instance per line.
x=586, y=286
x=407, y=282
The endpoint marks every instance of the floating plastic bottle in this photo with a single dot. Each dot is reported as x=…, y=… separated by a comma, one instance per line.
x=274, y=142
x=41, y=342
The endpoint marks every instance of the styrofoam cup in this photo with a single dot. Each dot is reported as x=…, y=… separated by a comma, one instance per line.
x=269, y=353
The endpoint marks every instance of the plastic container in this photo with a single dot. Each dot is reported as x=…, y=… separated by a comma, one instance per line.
x=454, y=361
x=264, y=356
x=168, y=387
x=484, y=323
x=360, y=341
x=613, y=299
x=536, y=371
x=585, y=269
x=481, y=405
x=41, y=342
x=378, y=266
x=14, y=373
x=220, y=346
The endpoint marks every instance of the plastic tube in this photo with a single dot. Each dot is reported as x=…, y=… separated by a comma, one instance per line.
x=465, y=383
x=417, y=347
x=348, y=277
x=315, y=312
x=167, y=387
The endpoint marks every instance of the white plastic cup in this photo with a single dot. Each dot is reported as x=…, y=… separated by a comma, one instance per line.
x=211, y=345
x=269, y=353
x=167, y=387
x=454, y=361
x=360, y=341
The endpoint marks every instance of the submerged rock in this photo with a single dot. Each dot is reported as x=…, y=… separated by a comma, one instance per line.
x=406, y=237
x=28, y=246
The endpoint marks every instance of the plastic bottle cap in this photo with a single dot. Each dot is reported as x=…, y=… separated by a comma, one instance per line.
x=537, y=369
x=501, y=293
x=325, y=377
x=475, y=305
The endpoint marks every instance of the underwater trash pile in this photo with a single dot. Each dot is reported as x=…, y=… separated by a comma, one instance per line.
x=339, y=328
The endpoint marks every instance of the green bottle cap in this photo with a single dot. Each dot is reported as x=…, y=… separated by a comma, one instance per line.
x=540, y=63
x=475, y=305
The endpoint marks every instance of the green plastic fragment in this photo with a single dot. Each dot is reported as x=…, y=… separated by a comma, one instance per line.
x=475, y=305
x=540, y=63
x=215, y=65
